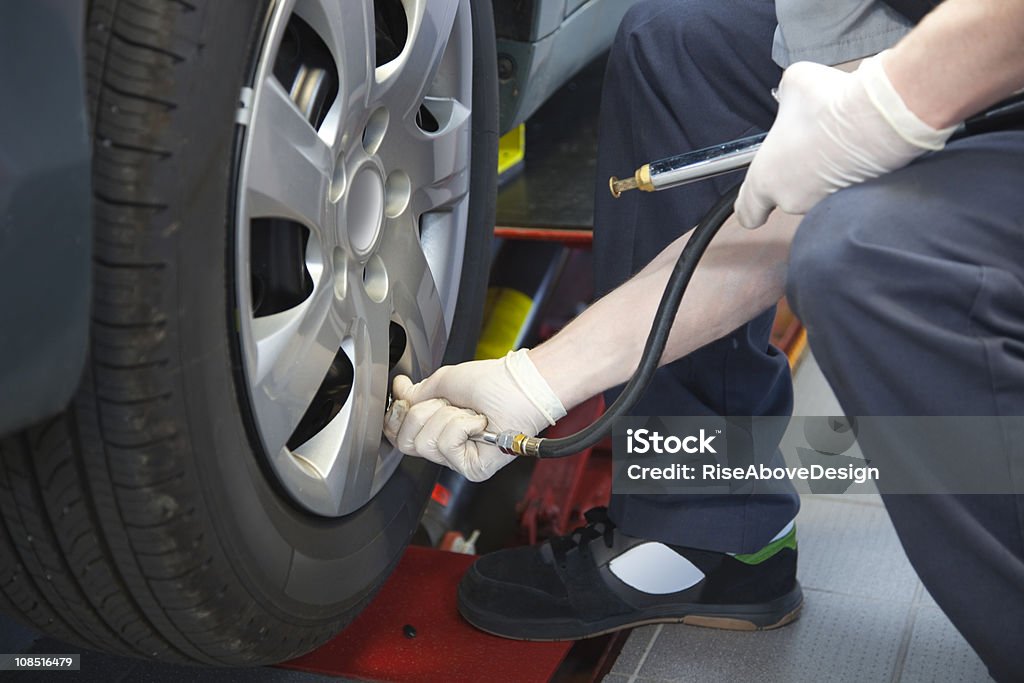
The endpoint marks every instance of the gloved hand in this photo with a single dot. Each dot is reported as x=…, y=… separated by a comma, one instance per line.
x=834, y=129
x=435, y=418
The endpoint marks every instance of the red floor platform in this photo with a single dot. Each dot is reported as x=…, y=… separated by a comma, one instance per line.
x=421, y=593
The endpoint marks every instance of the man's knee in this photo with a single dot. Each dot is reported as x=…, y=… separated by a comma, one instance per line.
x=838, y=247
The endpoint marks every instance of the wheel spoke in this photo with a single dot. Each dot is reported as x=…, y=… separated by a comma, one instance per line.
x=372, y=353
x=347, y=28
x=414, y=295
x=294, y=351
x=403, y=82
x=289, y=170
x=437, y=163
x=348, y=456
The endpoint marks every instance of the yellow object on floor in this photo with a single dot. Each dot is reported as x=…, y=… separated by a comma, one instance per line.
x=511, y=149
x=505, y=313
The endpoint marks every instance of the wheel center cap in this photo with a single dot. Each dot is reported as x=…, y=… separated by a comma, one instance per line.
x=364, y=209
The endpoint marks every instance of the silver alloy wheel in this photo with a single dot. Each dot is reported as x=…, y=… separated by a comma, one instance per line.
x=352, y=214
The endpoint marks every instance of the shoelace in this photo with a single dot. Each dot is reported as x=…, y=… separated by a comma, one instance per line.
x=598, y=526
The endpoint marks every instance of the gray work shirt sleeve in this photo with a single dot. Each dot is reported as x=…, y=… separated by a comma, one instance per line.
x=834, y=32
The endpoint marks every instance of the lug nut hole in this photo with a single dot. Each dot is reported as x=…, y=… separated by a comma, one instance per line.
x=375, y=279
x=397, y=190
x=375, y=129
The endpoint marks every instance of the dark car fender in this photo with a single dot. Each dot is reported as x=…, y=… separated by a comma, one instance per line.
x=45, y=208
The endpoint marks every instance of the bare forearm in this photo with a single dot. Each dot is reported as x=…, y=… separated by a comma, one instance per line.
x=742, y=274
x=963, y=57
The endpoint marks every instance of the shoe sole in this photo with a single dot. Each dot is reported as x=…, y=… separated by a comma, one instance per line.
x=737, y=618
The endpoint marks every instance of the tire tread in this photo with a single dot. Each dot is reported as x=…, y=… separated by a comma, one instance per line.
x=99, y=500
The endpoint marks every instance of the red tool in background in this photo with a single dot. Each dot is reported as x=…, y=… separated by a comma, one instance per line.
x=562, y=489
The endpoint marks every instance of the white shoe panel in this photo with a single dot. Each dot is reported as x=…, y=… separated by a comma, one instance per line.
x=655, y=568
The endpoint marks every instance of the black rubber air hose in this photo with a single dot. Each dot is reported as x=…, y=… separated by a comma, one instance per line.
x=686, y=264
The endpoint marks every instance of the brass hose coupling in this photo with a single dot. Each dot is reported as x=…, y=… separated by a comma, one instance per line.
x=511, y=442
x=641, y=180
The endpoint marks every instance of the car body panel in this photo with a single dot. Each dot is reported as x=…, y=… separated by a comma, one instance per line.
x=45, y=208
x=564, y=36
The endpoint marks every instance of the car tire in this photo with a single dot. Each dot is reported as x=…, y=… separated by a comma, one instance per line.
x=147, y=520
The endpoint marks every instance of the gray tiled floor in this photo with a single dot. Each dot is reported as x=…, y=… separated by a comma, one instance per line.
x=866, y=616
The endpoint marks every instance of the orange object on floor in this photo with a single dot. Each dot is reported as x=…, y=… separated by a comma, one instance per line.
x=788, y=333
x=421, y=594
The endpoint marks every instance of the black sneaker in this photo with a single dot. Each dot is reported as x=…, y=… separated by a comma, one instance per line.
x=573, y=586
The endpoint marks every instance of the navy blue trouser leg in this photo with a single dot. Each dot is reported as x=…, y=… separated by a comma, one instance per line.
x=682, y=75
x=912, y=291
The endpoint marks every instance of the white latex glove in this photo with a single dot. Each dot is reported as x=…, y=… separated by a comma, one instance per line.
x=435, y=418
x=834, y=129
